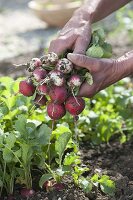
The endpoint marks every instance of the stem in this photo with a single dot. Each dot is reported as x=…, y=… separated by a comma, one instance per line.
x=53, y=123
x=12, y=180
x=75, y=97
x=32, y=108
x=27, y=175
x=28, y=178
x=76, y=131
x=50, y=170
x=48, y=149
x=46, y=80
x=60, y=165
x=3, y=178
x=20, y=65
x=15, y=156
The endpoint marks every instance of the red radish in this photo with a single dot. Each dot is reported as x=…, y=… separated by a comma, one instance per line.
x=56, y=77
x=42, y=89
x=74, y=81
x=26, y=88
x=59, y=186
x=10, y=197
x=40, y=100
x=64, y=65
x=49, y=59
x=55, y=111
x=39, y=74
x=58, y=94
x=48, y=184
x=75, y=105
x=35, y=62
x=27, y=192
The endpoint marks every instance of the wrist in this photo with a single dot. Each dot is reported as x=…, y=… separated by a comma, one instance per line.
x=84, y=14
x=126, y=63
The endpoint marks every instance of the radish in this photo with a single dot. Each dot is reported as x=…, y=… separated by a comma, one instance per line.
x=31, y=65
x=48, y=185
x=55, y=111
x=39, y=74
x=35, y=62
x=10, y=197
x=59, y=186
x=26, y=88
x=58, y=94
x=40, y=100
x=55, y=77
x=42, y=89
x=64, y=65
x=74, y=81
x=75, y=105
x=49, y=59
x=27, y=192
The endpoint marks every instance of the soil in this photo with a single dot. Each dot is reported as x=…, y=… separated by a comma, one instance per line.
x=115, y=160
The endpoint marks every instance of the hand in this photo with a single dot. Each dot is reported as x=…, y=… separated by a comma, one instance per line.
x=75, y=36
x=105, y=72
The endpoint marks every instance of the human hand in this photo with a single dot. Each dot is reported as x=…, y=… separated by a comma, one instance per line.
x=75, y=36
x=105, y=72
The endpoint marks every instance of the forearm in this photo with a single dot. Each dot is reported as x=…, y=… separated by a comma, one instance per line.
x=95, y=10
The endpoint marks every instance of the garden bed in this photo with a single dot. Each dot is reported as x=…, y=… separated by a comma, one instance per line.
x=114, y=160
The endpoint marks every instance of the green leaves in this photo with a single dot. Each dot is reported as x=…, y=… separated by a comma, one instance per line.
x=98, y=47
x=7, y=155
x=43, y=134
x=44, y=178
x=107, y=185
x=85, y=184
x=95, y=52
x=107, y=49
x=71, y=158
x=89, y=78
x=61, y=143
x=10, y=140
x=27, y=154
x=20, y=124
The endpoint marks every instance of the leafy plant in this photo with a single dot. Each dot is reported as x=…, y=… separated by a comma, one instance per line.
x=105, y=184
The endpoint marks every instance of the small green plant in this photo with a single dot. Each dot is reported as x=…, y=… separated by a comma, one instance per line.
x=105, y=183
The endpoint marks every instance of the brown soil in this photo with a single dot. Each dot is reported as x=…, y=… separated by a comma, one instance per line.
x=115, y=160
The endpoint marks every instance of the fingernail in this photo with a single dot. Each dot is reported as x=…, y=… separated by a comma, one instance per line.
x=71, y=56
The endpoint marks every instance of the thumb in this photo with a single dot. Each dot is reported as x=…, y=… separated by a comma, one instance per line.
x=83, y=61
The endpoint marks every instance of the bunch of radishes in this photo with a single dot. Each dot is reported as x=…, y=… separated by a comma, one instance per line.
x=55, y=83
x=56, y=79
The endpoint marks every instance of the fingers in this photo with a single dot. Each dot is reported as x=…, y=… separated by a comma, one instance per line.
x=81, y=45
x=87, y=91
x=57, y=46
x=60, y=45
x=83, y=40
x=91, y=64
